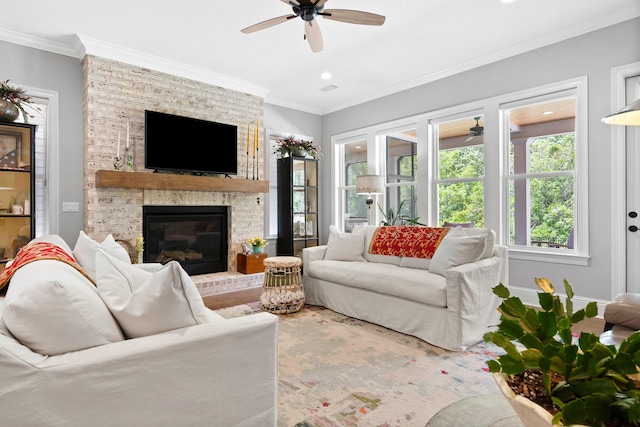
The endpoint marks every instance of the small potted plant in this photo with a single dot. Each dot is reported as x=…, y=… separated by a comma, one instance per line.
x=12, y=102
x=289, y=146
x=257, y=244
x=577, y=380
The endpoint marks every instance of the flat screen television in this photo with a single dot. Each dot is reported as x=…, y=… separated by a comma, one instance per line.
x=185, y=144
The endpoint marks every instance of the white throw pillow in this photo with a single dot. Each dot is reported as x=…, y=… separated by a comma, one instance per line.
x=345, y=246
x=52, y=308
x=490, y=235
x=147, y=303
x=86, y=249
x=454, y=251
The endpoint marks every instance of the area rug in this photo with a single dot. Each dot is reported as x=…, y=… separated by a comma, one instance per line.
x=336, y=371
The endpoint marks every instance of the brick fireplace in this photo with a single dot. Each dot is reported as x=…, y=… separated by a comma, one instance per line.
x=116, y=95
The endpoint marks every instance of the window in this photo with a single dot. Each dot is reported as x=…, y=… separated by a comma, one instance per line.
x=460, y=170
x=355, y=164
x=402, y=172
x=542, y=171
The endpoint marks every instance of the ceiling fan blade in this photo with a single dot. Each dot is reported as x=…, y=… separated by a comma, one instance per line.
x=470, y=138
x=314, y=36
x=320, y=3
x=291, y=2
x=266, y=24
x=353, y=16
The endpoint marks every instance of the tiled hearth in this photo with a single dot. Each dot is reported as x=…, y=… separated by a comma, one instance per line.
x=228, y=281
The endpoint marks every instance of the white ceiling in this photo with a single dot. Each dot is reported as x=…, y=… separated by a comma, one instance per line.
x=421, y=40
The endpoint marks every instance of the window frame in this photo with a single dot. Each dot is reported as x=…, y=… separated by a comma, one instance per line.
x=496, y=208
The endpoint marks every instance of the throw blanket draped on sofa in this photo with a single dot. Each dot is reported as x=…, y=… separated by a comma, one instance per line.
x=408, y=241
x=35, y=251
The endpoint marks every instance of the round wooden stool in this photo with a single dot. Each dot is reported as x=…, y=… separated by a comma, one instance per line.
x=282, y=290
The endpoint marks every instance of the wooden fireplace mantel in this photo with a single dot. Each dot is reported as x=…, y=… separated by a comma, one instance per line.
x=161, y=181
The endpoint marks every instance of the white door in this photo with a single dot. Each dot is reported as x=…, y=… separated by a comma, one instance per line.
x=633, y=192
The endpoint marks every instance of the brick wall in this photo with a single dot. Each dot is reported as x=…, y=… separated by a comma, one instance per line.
x=116, y=94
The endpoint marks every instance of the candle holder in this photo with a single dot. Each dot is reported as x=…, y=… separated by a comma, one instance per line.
x=117, y=165
x=129, y=159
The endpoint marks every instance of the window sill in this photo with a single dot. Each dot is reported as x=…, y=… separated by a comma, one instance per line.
x=558, y=256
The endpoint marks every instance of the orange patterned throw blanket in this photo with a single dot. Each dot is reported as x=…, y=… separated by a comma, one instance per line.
x=37, y=251
x=407, y=240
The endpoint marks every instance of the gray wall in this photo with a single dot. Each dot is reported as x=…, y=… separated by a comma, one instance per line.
x=51, y=72
x=592, y=55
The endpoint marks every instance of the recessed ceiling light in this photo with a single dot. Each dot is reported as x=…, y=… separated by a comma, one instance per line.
x=546, y=113
x=508, y=1
x=325, y=76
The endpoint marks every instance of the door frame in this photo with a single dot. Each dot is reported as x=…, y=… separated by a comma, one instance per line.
x=619, y=177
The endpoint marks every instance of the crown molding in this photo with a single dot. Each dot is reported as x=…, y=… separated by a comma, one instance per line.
x=133, y=57
x=39, y=43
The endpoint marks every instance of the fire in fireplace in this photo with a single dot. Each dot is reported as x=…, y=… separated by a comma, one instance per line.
x=195, y=236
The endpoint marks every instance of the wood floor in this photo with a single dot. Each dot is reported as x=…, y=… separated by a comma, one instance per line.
x=230, y=299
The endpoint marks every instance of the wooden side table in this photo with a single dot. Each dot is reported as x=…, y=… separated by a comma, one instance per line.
x=251, y=263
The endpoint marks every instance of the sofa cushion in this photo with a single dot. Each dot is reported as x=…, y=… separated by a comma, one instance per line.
x=56, y=240
x=345, y=246
x=146, y=303
x=52, y=308
x=412, y=284
x=86, y=249
x=454, y=251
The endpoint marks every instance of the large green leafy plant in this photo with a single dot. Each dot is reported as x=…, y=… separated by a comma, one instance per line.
x=596, y=383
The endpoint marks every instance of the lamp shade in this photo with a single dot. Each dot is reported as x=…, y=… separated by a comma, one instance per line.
x=369, y=184
x=629, y=115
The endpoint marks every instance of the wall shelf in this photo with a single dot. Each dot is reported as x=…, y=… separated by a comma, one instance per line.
x=162, y=181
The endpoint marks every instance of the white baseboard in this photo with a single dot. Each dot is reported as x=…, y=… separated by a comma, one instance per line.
x=530, y=297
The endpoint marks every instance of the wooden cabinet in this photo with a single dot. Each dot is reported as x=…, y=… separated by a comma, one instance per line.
x=297, y=205
x=251, y=263
x=17, y=188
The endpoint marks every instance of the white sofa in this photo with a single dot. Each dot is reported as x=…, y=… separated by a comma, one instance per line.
x=68, y=358
x=451, y=308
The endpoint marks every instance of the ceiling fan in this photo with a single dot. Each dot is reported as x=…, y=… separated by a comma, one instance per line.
x=307, y=10
x=476, y=130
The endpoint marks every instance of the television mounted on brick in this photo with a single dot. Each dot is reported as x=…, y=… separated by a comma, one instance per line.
x=185, y=144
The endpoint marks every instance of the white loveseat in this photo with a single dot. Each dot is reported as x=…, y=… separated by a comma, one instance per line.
x=77, y=354
x=446, y=301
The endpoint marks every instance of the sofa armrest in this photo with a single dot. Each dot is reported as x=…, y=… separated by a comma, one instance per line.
x=470, y=286
x=312, y=253
x=222, y=373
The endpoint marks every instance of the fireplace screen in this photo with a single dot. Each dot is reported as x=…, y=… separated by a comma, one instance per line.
x=195, y=236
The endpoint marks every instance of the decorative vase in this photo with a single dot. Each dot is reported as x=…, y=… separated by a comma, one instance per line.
x=257, y=249
x=298, y=152
x=8, y=111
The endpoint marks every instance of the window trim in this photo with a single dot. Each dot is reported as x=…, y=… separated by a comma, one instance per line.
x=580, y=255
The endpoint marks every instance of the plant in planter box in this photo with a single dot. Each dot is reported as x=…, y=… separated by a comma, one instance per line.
x=589, y=383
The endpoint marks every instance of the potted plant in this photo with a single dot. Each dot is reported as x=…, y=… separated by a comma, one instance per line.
x=578, y=381
x=290, y=146
x=395, y=218
x=12, y=102
x=257, y=244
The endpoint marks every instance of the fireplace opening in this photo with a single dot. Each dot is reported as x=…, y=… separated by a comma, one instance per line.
x=195, y=236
